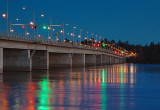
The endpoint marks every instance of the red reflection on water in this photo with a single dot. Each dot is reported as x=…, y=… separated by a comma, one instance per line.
x=4, y=98
x=30, y=94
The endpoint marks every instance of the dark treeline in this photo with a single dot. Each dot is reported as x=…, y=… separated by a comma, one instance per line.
x=147, y=54
x=144, y=54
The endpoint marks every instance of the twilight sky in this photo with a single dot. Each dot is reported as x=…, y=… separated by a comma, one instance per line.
x=137, y=21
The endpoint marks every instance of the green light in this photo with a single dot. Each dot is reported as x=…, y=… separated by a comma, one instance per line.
x=121, y=52
x=103, y=45
x=44, y=95
x=121, y=89
x=44, y=27
x=103, y=91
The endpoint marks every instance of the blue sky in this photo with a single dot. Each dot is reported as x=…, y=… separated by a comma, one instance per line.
x=137, y=21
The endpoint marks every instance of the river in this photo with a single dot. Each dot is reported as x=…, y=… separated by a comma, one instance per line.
x=112, y=87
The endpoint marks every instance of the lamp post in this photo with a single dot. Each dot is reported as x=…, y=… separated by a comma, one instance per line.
x=87, y=38
x=96, y=38
x=7, y=17
x=80, y=36
x=100, y=41
x=32, y=23
x=73, y=33
x=63, y=31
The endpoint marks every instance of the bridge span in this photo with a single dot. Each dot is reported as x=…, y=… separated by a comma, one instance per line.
x=19, y=53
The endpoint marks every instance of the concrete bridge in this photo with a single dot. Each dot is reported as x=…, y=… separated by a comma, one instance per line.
x=19, y=53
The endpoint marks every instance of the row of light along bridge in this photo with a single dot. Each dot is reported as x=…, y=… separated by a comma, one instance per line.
x=19, y=53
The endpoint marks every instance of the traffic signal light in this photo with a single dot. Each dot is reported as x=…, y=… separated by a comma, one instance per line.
x=44, y=27
x=22, y=26
x=98, y=45
x=103, y=45
x=33, y=27
x=94, y=45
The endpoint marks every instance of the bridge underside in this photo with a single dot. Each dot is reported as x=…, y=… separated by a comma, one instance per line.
x=27, y=60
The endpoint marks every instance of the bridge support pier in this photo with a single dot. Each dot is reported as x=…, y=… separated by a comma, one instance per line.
x=107, y=59
x=104, y=57
x=90, y=59
x=78, y=60
x=98, y=60
x=112, y=60
x=40, y=60
x=117, y=60
x=60, y=60
x=1, y=60
x=124, y=60
x=17, y=60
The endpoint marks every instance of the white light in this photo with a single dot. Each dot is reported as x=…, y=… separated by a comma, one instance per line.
x=71, y=34
x=24, y=8
x=85, y=38
x=42, y=15
x=49, y=37
x=11, y=30
x=61, y=31
x=49, y=28
x=4, y=15
x=79, y=36
x=31, y=23
x=74, y=27
x=39, y=35
x=53, y=29
x=67, y=24
x=57, y=39
x=27, y=33
x=17, y=19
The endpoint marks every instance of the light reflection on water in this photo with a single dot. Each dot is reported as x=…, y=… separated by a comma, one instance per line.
x=96, y=88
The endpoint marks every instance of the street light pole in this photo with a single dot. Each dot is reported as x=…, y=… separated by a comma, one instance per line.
x=96, y=38
x=63, y=31
x=100, y=42
x=80, y=36
x=87, y=38
x=73, y=33
x=7, y=17
x=34, y=24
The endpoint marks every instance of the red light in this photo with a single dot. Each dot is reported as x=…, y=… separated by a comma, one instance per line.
x=32, y=27
x=22, y=27
x=98, y=45
x=115, y=51
x=94, y=45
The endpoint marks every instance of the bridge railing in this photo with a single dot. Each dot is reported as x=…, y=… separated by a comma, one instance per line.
x=14, y=37
x=42, y=40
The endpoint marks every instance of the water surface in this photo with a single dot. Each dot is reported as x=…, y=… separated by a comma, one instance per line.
x=114, y=87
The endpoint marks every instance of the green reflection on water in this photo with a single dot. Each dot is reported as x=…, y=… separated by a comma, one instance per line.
x=121, y=90
x=43, y=96
x=103, y=92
